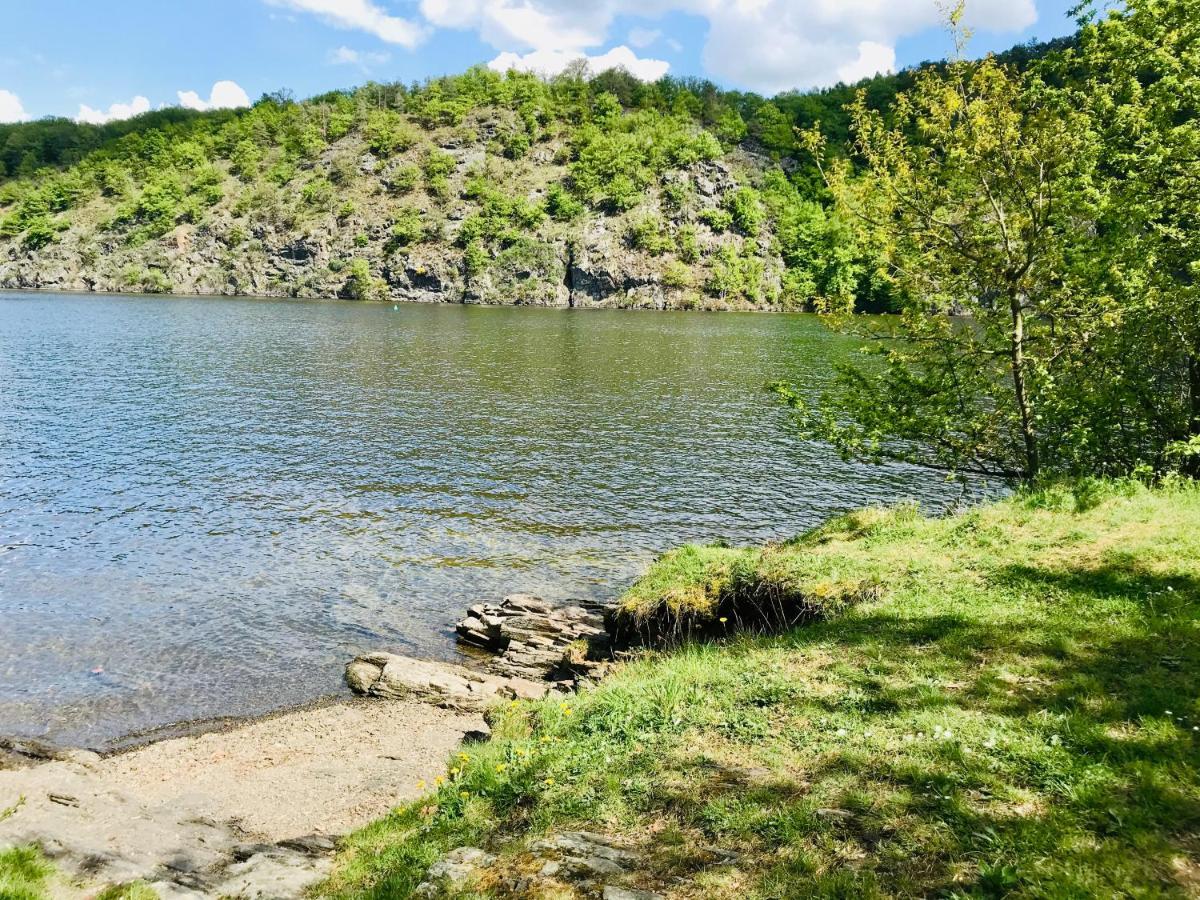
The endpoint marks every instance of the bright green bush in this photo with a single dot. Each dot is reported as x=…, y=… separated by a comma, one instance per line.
x=388, y=133
x=745, y=209
x=408, y=227
x=650, y=234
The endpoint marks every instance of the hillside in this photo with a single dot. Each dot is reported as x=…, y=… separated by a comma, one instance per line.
x=475, y=188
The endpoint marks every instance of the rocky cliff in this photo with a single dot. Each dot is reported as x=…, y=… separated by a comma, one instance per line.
x=355, y=223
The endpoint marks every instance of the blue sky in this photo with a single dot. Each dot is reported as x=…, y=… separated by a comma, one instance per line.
x=60, y=56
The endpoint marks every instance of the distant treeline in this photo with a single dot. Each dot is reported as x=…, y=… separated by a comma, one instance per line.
x=26, y=147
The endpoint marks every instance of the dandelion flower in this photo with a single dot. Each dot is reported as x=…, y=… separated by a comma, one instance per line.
x=421, y=785
x=438, y=780
x=501, y=767
x=463, y=794
x=549, y=781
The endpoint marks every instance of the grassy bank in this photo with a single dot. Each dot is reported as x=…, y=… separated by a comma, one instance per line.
x=999, y=703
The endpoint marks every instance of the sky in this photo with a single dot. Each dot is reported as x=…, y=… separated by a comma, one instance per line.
x=95, y=61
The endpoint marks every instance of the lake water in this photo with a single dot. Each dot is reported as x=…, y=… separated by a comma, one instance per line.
x=207, y=506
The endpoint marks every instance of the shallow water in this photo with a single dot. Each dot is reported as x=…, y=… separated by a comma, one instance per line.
x=208, y=505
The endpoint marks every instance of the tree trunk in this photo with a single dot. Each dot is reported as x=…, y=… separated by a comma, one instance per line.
x=1017, y=350
x=1191, y=465
x=1194, y=390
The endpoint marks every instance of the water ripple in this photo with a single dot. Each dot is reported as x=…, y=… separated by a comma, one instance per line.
x=206, y=506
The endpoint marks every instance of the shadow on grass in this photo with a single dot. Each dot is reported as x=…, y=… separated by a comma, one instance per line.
x=1094, y=789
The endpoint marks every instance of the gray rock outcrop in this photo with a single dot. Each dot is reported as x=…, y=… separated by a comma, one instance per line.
x=390, y=676
x=535, y=639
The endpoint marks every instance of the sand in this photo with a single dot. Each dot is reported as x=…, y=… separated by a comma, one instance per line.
x=204, y=815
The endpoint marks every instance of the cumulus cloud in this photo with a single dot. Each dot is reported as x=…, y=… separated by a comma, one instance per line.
x=224, y=95
x=768, y=45
x=11, y=109
x=134, y=107
x=364, y=59
x=643, y=37
x=361, y=15
x=873, y=59
x=551, y=62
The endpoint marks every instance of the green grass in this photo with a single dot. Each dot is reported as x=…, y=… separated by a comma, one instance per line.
x=23, y=874
x=1012, y=713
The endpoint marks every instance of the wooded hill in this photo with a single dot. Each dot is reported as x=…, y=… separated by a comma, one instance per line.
x=479, y=187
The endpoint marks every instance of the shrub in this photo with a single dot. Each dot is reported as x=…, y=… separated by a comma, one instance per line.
x=438, y=164
x=746, y=210
x=561, y=205
x=39, y=233
x=361, y=284
x=387, y=132
x=281, y=172
x=318, y=192
x=650, y=234
x=717, y=219
x=689, y=245
x=403, y=179
x=409, y=227
x=677, y=275
x=246, y=158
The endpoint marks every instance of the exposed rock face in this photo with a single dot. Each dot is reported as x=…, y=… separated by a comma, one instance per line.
x=390, y=676
x=533, y=639
x=571, y=861
x=266, y=239
x=454, y=871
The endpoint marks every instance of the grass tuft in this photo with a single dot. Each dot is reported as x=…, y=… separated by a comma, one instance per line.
x=23, y=874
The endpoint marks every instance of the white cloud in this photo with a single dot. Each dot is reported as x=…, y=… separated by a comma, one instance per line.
x=361, y=15
x=224, y=95
x=134, y=107
x=873, y=59
x=643, y=37
x=363, y=59
x=767, y=45
x=11, y=109
x=551, y=62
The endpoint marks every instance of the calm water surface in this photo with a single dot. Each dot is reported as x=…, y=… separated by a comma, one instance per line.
x=208, y=505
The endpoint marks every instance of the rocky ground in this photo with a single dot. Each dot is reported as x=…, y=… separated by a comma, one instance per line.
x=253, y=810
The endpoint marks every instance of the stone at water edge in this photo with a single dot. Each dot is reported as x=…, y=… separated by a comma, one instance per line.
x=534, y=639
x=390, y=676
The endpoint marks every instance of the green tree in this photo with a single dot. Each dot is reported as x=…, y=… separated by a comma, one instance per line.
x=976, y=194
x=1137, y=72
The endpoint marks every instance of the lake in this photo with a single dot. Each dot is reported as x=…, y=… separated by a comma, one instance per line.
x=207, y=506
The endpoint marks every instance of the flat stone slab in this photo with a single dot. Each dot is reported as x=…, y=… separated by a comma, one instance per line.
x=394, y=677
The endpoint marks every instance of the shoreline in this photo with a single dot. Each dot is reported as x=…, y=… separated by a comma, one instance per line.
x=247, y=806
x=33, y=751
x=601, y=307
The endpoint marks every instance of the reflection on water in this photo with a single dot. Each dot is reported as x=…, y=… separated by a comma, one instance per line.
x=208, y=505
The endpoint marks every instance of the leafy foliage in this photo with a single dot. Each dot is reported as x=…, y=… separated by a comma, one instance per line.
x=1010, y=198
